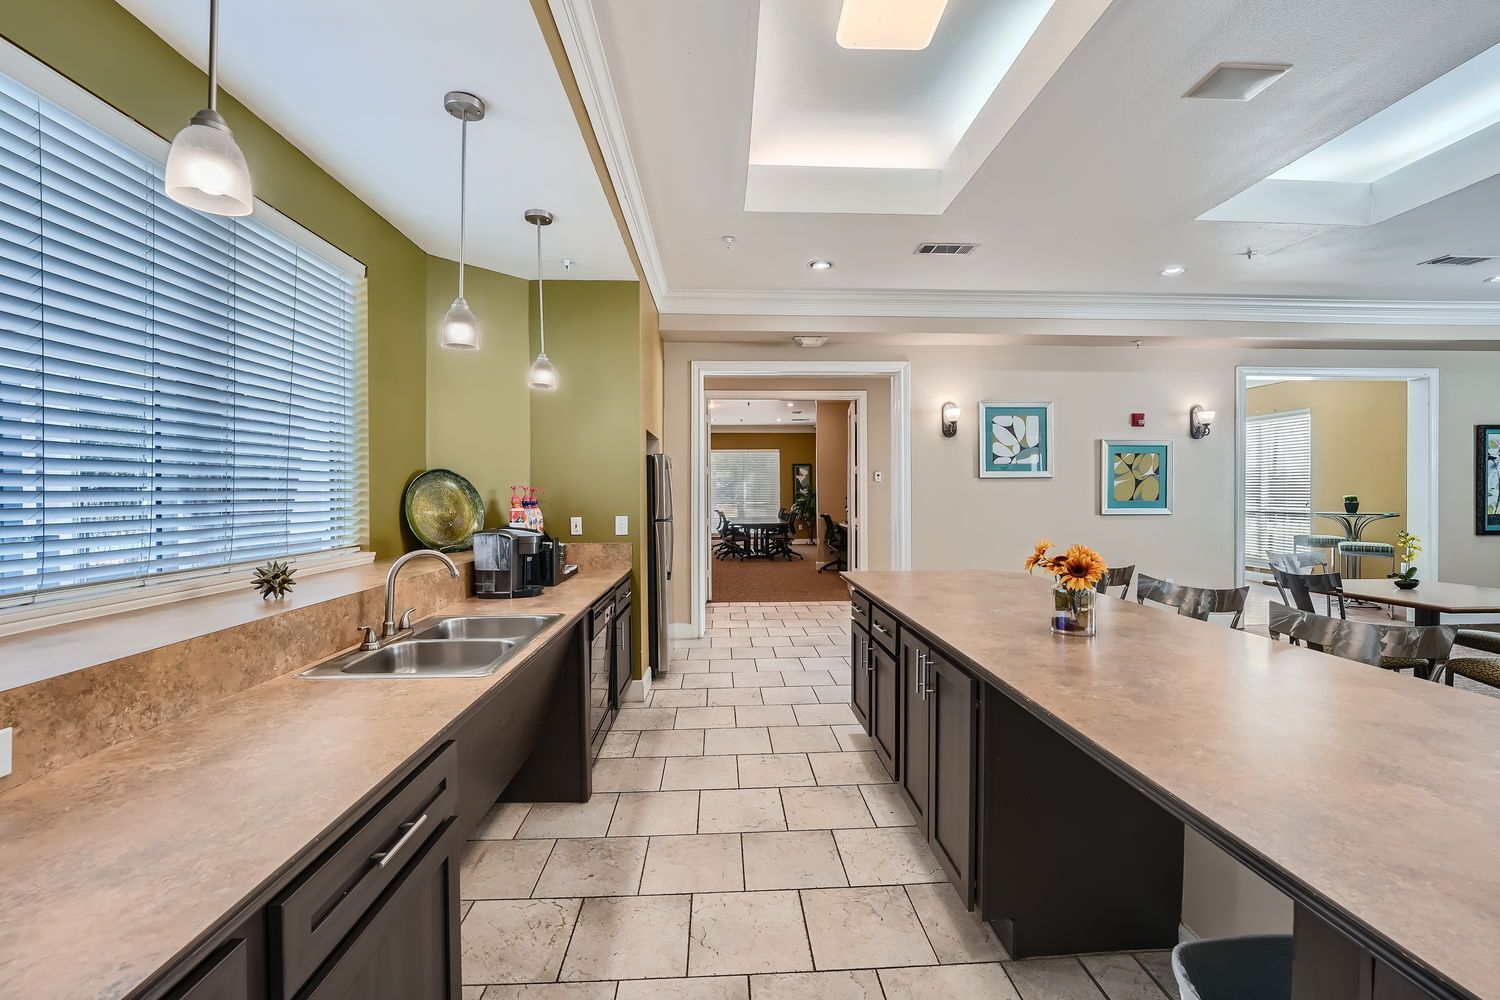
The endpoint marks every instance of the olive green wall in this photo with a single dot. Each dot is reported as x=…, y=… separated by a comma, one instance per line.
x=100, y=46
x=478, y=404
x=588, y=440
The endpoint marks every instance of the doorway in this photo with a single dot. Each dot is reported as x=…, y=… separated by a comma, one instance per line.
x=784, y=493
x=1325, y=454
x=879, y=538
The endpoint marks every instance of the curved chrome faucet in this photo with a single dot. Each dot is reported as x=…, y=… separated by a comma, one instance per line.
x=389, y=629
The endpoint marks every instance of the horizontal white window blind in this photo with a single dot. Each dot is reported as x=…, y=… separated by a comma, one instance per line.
x=177, y=390
x=747, y=483
x=1278, y=482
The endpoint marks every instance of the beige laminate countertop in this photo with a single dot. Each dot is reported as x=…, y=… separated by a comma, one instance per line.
x=112, y=866
x=1377, y=793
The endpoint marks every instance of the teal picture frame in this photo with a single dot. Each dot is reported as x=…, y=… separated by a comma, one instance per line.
x=1015, y=440
x=1135, y=477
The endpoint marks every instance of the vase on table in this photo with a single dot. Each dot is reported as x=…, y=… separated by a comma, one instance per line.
x=1073, y=611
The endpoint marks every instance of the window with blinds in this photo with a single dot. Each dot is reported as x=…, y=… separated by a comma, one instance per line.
x=1278, y=482
x=176, y=389
x=747, y=483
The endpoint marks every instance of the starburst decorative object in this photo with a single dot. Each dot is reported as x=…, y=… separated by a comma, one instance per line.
x=274, y=579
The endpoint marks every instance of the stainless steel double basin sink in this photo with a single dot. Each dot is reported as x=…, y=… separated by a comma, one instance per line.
x=462, y=646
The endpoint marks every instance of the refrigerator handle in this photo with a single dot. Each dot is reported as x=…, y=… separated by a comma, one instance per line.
x=670, y=544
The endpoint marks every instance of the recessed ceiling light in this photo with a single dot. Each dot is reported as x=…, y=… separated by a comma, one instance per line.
x=889, y=24
x=1236, y=81
x=809, y=341
x=791, y=406
x=820, y=264
x=778, y=420
x=1173, y=271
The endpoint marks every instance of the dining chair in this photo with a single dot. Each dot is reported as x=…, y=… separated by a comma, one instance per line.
x=1116, y=576
x=1297, y=562
x=1298, y=589
x=1194, y=602
x=837, y=540
x=1424, y=649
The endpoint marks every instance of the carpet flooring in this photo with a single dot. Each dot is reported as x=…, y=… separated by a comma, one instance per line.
x=756, y=580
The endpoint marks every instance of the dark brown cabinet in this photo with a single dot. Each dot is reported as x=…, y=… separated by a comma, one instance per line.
x=953, y=713
x=884, y=703
x=624, y=652
x=408, y=944
x=915, y=740
x=860, y=669
x=224, y=975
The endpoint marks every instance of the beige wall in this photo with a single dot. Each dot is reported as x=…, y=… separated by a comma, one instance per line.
x=794, y=449
x=832, y=469
x=1358, y=446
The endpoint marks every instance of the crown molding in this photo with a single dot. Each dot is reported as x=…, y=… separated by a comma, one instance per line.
x=579, y=31
x=1080, y=306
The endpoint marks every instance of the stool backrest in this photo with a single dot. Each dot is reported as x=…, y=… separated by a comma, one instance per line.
x=1116, y=576
x=1194, y=602
x=1366, y=642
x=1299, y=587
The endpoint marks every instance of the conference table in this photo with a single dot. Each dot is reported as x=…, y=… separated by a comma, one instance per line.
x=1430, y=600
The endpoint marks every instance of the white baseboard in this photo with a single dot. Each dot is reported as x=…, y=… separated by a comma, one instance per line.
x=637, y=690
x=682, y=630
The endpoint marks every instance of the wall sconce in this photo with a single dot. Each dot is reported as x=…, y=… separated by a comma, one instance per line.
x=950, y=419
x=1200, y=422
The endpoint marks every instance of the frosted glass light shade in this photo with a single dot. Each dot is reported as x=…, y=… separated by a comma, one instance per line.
x=542, y=374
x=206, y=170
x=460, y=327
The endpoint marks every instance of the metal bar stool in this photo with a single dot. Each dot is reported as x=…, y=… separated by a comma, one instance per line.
x=1352, y=555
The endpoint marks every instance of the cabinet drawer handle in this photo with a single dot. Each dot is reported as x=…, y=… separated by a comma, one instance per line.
x=383, y=858
x=881, y=629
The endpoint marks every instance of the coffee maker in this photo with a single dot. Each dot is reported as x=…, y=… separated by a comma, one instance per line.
x=508, y=563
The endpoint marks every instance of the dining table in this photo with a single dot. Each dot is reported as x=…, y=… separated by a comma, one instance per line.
x=765, y=538
x=1430, y=600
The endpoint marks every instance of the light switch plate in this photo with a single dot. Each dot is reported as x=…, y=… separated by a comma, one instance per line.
x=622, y=524
x=575, y=525
x=5, y=744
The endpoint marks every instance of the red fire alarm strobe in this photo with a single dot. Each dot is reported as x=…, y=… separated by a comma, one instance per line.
x=1138, y=420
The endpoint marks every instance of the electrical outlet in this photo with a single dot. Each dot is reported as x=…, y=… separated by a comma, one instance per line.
x=575, y=525
x=5, y=744
x=622, y=524
x=879, y=476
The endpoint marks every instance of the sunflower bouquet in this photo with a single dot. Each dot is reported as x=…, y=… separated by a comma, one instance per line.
x=1075, y=571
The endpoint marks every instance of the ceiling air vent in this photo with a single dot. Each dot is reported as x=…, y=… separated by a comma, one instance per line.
x=946, y=249
x=1455, y=260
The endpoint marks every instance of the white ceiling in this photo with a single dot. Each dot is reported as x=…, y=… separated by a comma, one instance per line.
x=1095, y=188
x=791, y=413
x=358, y=86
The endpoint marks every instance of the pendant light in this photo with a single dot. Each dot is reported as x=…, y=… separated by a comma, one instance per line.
x=205, y=168
x=542, y=374
x=460, y=327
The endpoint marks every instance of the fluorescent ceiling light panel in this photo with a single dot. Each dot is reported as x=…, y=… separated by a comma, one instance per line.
x=1435, y=141
x=889, y=24
x=1236, y=81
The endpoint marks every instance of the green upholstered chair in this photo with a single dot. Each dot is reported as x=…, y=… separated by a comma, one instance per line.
x=1480, y=669
x=1359, y=551
x=1480, y=638
x=1324, y=543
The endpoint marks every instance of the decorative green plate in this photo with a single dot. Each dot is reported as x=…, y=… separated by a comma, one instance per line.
x=443, y=509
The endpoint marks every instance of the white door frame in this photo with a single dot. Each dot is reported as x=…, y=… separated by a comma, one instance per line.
x=899, y=372
x=859, y=399
x=1421, y=435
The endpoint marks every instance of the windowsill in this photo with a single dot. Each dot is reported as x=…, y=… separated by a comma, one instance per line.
x=38, y=655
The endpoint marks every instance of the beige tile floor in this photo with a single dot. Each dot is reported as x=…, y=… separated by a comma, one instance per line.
x=743, y=843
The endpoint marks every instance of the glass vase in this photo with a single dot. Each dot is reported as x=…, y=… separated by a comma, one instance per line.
x=1073, y=611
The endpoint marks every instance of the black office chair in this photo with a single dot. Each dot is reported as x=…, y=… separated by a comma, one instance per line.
x=732, y=540
x=837, y=540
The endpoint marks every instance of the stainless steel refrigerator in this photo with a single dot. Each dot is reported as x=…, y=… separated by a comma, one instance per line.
x=659, y=558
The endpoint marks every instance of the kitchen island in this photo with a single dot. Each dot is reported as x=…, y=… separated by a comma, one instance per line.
x=1054, y=777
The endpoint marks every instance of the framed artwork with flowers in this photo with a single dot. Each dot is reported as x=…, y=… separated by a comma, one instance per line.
x=1487, y=479
x=1015, y=440
x=1135, y=477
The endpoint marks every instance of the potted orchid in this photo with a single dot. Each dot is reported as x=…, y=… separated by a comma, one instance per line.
x=1075, y=573
x=1408, y=546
